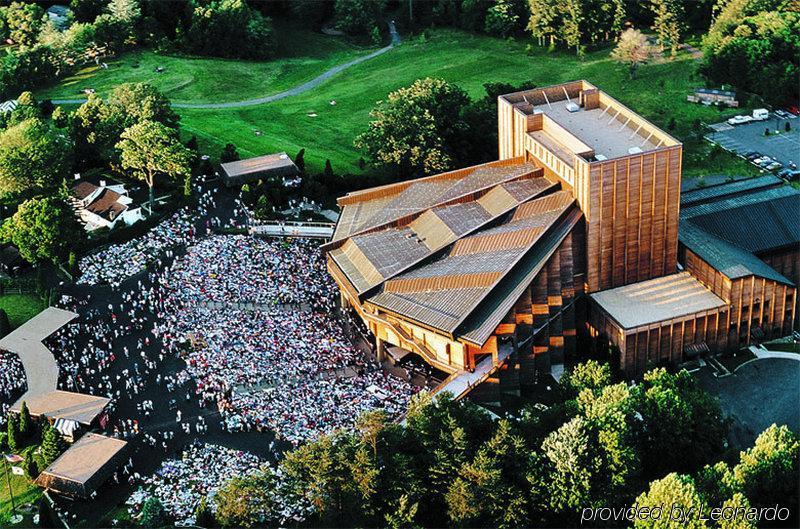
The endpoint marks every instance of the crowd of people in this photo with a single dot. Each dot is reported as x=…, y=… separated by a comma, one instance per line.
x=117, y=262
x=201, y=470
x=294, y=372
x=12, y=382
x=240, y=268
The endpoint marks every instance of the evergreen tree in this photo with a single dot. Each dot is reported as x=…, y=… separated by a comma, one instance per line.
x=53, y=445
x=13, y=433
x=153, y=514
x=30, y=467
x=25, y=423
x=300, y=161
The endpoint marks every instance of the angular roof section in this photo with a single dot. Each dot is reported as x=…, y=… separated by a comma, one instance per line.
x=759, y=221
x=700, y=195
x=444, y=292
x=656, y=300
x=372, y=208
x=727, y=224
x=371, y=257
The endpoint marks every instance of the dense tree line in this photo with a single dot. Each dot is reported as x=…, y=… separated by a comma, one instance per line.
x=449, y=464
x=754, y=46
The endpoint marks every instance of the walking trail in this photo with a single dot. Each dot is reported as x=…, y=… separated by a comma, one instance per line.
x=299, y=89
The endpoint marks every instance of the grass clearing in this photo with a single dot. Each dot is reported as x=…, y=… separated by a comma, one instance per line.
x=304, y=54
x=21, y=307
x=310, y=121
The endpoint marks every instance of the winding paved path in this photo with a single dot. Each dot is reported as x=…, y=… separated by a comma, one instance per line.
x=299, y=89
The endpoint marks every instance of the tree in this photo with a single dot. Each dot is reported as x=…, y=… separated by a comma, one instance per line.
x=24, y=22
x=403, y=516
x=33, y=157
x=300, y=160
x=12, y=428
x=25, y=423
x=44, y=229
x=203, y=517
x=490, y=491
x=417, y=128
x=30, y=467
x=125, y=10
x=502, y=18
x=137, y=102
x=86, y=10
x=229, y=153
x=53, y=445
x=357, y=17
x=632, y=50
x=5, y=325
x=151, y=149
x=590, y=375
x=682, y=425
x=668, y=23
x=673, y=494
x=153, y=514
x=246, y=501
x=754, y=47
x=95, y=127
x=229, y=28
x=768, y=471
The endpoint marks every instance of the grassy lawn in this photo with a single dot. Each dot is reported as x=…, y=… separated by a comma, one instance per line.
x=21, y=307
x=24, y=491
x=327, y=131
x=659, y=93
x=303, y=55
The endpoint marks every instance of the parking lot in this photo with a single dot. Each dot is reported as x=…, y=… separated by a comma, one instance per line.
x=740, y=139
x=760, y=393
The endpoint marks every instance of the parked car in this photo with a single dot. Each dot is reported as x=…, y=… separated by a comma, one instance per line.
x=765, y=162
x=761, y=159
x=792, y=165
x=774, y=166
x=760, y=114
x=739, y=120
x=789, y=174
x=752, y=155
x=782, y=114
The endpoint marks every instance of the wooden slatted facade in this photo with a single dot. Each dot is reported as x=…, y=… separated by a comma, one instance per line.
x=760, y=308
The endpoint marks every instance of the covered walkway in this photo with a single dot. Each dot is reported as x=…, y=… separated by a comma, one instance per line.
x=311, y=230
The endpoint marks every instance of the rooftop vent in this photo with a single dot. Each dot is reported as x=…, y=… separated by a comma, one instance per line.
x=601, y=158
x=635, y=150
x=572, y=107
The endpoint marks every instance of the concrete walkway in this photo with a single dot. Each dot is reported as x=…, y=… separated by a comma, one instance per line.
x=297, y=90
x=41, y=368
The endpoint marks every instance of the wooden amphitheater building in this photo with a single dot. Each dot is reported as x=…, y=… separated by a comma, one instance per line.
x=499, y=269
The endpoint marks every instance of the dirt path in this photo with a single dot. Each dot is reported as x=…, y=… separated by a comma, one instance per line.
x=299, y=89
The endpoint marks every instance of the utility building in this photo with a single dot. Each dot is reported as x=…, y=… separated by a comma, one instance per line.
x=494, y=272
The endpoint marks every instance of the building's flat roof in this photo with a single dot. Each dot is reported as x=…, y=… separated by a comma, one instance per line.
x=64, y=405
x=84, y=460
x=597, y=128
x=657, y=300
x=258, y=164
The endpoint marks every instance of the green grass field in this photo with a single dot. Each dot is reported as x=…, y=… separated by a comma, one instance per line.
x=303, y=55
x=327, y=131
x=21, y=307
x=25, y=493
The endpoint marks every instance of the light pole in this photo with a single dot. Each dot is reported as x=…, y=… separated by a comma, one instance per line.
x=10, y=491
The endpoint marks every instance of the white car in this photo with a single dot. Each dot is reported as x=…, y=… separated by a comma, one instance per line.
x=738, y=120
